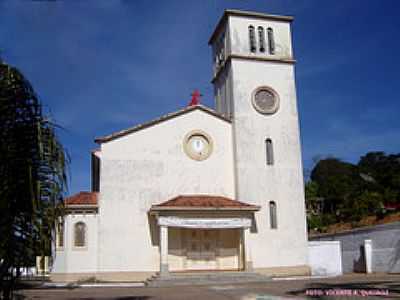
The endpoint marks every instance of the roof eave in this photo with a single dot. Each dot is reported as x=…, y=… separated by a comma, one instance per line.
x=80, y=206
x=186, y=208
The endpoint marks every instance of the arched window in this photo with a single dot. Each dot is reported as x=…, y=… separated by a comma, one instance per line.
x=80, y=234
x=252, y=39
x=271, y=41
x=269, y=152
x=272, y=215
x=261, y=38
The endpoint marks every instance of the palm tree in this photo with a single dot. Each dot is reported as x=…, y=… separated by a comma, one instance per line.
x=32, y=177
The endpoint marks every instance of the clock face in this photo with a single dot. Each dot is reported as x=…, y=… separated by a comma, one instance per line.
x=198, y=145
x=265, y=101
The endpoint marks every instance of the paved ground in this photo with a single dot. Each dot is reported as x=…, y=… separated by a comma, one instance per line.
x=280, y=289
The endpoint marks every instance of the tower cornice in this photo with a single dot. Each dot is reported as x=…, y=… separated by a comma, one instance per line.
x=251, y=57
x=244, y=13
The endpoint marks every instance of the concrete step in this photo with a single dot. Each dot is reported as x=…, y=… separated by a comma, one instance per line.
x=207, y=274
x=179, y=279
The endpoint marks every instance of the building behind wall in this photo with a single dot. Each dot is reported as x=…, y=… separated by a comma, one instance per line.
x=202, y=189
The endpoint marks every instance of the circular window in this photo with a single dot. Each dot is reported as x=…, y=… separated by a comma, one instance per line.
x=197, y=145
x=265, y=100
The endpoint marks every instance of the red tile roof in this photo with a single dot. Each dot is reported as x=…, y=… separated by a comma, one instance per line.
x=82, y=198
x=203, y=202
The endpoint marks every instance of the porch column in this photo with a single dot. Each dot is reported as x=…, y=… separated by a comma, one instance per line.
x=163, y=250
x=248, y=261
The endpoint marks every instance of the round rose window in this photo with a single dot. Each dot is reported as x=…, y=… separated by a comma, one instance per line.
x=265, y=101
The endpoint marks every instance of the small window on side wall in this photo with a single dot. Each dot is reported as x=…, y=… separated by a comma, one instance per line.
x=80, y=234
x=273, y=215
x=269, y=152
x=252, y=39
x=271, y=40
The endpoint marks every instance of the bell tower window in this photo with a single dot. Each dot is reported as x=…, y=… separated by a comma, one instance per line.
x=261, y=38
x=252, y=39
x=271, y=41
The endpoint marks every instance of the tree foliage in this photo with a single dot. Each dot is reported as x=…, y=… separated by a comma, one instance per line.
x=348, y=192
x=336, y=181
x=32, y=177
x=384, y=171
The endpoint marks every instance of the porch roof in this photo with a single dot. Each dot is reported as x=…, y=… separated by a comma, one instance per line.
x=81, y=199
x=203, y=202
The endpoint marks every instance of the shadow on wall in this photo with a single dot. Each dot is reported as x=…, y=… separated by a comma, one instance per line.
x=359, y=265
x=394, y=265
x=153, y=229
x=253, y=228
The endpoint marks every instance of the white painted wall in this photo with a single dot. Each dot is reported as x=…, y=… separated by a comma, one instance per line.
x=149, y=167
x=282, y=182
x=325, y=258
x=257, y=183
x=70, y=259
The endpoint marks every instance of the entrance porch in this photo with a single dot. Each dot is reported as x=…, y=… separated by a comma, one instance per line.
x=204, y=233
x=204, y=249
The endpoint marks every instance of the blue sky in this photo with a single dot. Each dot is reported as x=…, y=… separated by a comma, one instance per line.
x=101, y=66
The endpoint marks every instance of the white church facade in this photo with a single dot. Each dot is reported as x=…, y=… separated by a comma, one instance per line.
x=200, y=188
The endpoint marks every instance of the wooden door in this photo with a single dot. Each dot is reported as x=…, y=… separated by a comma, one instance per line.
x=201, y=249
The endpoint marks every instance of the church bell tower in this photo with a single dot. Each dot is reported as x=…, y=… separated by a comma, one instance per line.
x=254, y=84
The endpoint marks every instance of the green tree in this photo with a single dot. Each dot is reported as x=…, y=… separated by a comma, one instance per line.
x=383, y=173
x=311, y=190
x=364, y=204
x=313, y=202
x=32, y=177
x=314, y=205
x=338, y=182
x=349, y=192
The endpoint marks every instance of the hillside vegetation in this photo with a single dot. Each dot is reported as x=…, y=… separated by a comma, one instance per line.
x=340, y=192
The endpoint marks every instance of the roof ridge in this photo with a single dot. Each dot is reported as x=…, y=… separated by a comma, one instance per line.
x=163, y=118
x=200, y=197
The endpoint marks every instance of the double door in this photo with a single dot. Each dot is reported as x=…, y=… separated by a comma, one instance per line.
x=201, y=249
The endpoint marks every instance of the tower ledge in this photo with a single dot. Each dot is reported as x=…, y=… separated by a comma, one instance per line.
x=251, y=57
x=244, y=13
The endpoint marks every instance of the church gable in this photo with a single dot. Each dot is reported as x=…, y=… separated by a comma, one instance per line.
x=164, y=118
x=168, y=138
x=189, y=153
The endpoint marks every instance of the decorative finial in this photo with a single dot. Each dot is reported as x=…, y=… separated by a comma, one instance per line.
x=195, y=98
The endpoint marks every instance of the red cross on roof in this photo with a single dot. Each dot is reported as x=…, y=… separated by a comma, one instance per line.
x=195, y=98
